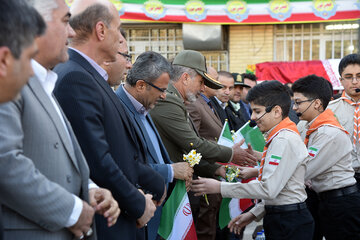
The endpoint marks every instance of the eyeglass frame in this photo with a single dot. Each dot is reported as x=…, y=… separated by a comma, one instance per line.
x=154, y=86
x=297, y=104
x=357, y=78
x=128, y=57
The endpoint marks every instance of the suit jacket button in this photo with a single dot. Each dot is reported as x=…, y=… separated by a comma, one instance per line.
x=68, y=178
x=56, y=145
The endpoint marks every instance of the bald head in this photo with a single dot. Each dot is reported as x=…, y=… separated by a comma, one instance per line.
x=80, y=6
x=212, y=72
x=86, y=14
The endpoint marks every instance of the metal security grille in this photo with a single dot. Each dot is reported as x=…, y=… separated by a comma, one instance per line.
x=317, y=41
x=166, y=39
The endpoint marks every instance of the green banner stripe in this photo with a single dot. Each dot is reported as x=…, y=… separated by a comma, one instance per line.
x=275, y=157
x=311, y=148
x=171, y=208
x=224, y=213
x=206, y=2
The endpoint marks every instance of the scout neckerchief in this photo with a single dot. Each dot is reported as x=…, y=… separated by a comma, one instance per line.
x=285, y=124
x=326, y=118
x=356, y=117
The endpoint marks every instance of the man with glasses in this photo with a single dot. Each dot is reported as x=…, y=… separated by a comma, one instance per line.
x=347, y=107
x=145, y=84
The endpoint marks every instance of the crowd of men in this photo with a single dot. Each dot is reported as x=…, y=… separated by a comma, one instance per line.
x=81, y=160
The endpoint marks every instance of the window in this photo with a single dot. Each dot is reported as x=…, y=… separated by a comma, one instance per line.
x=317, y=41
x=166, y=39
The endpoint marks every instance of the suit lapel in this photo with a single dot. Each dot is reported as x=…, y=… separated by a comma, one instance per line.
x=46, y=103
x=124, y=98
x=103, y=85
x=212, y=114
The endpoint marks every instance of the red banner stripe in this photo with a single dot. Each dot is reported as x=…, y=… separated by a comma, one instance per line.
x=302, y=17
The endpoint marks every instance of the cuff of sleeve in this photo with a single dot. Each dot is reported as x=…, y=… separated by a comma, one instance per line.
x=75, y=214
x=227, y=190
x=258, y=211
x=170, y=173
x=232, y=155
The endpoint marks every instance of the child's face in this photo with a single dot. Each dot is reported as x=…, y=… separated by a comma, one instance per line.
x=303, y=105
x=350, y=79
x=265, y=121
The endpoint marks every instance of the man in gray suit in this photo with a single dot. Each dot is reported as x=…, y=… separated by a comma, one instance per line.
x=16, y=50
x=44, y=176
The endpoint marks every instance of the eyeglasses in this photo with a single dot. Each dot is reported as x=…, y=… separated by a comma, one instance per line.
x=154, y=86
x=351, y=78
x=297, y=103
x=127, y=56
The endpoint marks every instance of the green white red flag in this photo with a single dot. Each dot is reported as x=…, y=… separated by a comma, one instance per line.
x=176, y=219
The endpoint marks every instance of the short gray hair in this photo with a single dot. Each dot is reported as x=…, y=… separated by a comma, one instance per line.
x=85, y=22
x=45, y=8
x=148, y=67
x=178, y=70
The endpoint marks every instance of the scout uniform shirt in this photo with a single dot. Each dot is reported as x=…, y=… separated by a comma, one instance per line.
x=344, y=112
x=329, y=165
x=282, y=177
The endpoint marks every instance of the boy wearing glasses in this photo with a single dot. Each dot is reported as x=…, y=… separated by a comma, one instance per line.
x=347, y=107
x=329, y=166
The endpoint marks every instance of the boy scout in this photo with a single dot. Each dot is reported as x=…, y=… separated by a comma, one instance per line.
x=329, y=167
x=346, y=108
x=281, y=174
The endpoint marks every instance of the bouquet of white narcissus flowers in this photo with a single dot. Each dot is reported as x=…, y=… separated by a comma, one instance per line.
x=232, y=173
x=192, y=158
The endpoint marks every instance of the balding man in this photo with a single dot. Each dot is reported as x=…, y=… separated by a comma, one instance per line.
x=101, y=124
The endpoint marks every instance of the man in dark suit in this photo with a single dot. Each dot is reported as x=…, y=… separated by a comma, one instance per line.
x=16, y=17
x=209, y=126
x=145, y=84
x=102, y=126
x=221, y=98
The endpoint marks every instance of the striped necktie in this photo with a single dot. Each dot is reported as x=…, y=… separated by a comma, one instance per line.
x=356, y=117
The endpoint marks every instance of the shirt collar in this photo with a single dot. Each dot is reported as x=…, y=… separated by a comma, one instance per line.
x=207, y=100
x=97, y=67
x=46, y=77
x=223, y=105
x=137, y=105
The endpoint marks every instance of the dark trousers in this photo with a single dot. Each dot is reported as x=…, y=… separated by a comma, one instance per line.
x=312, y=203
x=294, y=225
x=340, y=217
x=207, y=219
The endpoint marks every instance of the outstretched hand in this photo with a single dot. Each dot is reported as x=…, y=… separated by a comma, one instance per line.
x=203, y=186
x=243, y=157
x=238, y=223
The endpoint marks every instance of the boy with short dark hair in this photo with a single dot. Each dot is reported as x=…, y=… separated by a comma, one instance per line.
x=329, y=167
x=281, y=174
x=347, y=108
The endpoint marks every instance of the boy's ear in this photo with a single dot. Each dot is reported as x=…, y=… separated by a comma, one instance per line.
x=318, y=105
x=277, y=111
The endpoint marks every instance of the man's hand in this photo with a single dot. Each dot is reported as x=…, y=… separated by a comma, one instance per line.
x=221, y=172
x=248, y=172
x=202, y=186
x=148, y=212
x=242, y=157
x=162, y=198
x=240, y=221
x=104, y=204
x=83, y=225
x=182, y=171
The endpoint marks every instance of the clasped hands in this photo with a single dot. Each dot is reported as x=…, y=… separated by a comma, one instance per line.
x=101, y=202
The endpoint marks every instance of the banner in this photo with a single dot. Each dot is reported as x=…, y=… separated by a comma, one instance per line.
x=288, y=72
x=236, y=11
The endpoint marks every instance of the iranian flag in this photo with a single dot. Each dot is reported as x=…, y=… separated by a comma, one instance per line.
x=225, y=138
x=233, y=207
x=312, y=151
x=176, y=219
